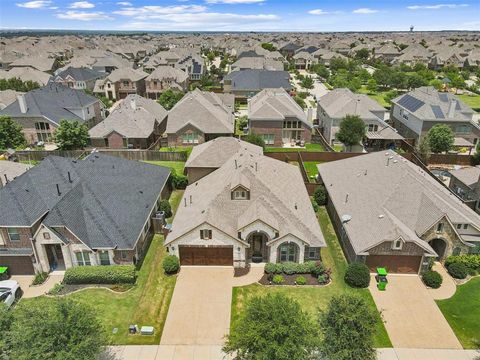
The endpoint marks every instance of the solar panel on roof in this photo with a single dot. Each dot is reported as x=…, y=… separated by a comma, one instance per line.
x=437, y=111
x=410, y=103
x=443, y=97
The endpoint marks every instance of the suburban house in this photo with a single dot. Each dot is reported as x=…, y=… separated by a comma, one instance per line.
x=40, y=111
x=107, y=64
x=9, y=170
x=208, y=157
x=65, y=212
x=200, y=116
x=257, y=62
x=7, y=97
x=246, y=83
x=136, y=123
x=251, y=209
x=387, y=53
x=122, y=82
x=399, y=223
x=465, y=182
x=416, y=112
x=164, y=78
x=303, y=60
x=288, y=50
x=276, y=116
x=334, y=106
x=26, y=74
x=78, y=78
x=193, y=65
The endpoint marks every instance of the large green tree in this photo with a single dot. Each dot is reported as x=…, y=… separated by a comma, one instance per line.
x=169, y=98
x=440, y=138
x=57, y=330
x=347, y=328
x=255, y=139
x=351, y=131
x=11, y=135
x=71, y=135
x=6, y=320
x=272, y=327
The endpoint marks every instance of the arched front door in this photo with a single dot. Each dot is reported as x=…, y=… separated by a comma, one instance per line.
x=440, y=246
x=258, y=247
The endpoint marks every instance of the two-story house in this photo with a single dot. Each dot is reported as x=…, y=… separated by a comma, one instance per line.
x=164, y=78
x=78, y=78
x=123, y=82
x=465, y=182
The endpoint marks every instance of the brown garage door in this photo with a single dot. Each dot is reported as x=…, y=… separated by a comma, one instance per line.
x=395, y=264
x=199, y=255
x=18, y=265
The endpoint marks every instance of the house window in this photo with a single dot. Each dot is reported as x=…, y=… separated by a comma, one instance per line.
x=240, y=194
x=465, y=226
x=205, y=234
x=83, y=258
x=397, y=245
x=13, y=234
x=104, y=258
x=125, y=83
x=46, y=236
x=313, y=253
x=463, y=129
x=439, y=227
x=123, y=255
x=190, y=138
x=269, y=139
x=288, y=252
x=372, y=127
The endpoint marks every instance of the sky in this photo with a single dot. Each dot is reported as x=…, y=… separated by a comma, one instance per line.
x=241, y=15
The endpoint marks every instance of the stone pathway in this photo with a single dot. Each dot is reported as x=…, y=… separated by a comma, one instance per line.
x=29, y=291
x=448, y=288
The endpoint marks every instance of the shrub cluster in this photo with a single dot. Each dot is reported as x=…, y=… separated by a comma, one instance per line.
x=40, y=278
x=308, y=267
x=357, y=275
x=300, y=280
x=320, y=195
x=179, y=181
x=458, y=270
x=471, y=261
x=112, y=274
x=432, y=279
x=278, y=279
x=171, y=264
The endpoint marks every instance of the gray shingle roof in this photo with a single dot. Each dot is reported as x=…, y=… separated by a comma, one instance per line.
x=106, y=204
x=256, y=80
x=468, y=175
x=80, y=74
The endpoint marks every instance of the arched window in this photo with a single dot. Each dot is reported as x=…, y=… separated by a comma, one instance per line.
x=288, y=252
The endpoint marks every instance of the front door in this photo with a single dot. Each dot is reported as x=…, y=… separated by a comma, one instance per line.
x=257, y=245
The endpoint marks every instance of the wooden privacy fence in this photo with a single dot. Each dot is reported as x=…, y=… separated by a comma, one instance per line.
x=325, y=156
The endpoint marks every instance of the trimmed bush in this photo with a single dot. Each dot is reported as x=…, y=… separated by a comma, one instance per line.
x=171, y=264
x=179, y=181
x=166, y=208
x=300, y=280
x=318, y=269
x=315, y=206
x=322, y=279
x=357, y=275
x=40, y=278
x=471, y=261
x=320, y=195
x=290, y=268
x=458, y=270
x=272, y=268
x=278, y=279
x=432, y=279
x=112, y=274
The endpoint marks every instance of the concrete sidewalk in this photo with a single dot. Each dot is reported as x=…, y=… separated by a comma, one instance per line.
x=426, y=354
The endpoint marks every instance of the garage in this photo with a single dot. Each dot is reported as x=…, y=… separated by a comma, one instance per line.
x=395, y=263
x=18, y=265
x=211, y=255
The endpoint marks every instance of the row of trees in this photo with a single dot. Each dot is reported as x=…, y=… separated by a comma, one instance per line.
x=18, y=85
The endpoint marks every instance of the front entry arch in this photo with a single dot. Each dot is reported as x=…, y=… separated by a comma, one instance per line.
x=440, y=247
x=258, y=247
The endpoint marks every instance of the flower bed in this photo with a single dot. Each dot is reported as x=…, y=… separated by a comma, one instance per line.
x=290, y=273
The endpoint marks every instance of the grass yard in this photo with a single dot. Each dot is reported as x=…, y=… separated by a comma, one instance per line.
x=378, y=96
x=338, y=148
x=187, y=149
x=177, y=166
x=314, y=298
x=471, y=100
x=311, y=167
x=308, y=148
x=462, y=312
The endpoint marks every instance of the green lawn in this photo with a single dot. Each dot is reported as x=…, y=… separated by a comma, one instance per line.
x=311, y=167
x=308, y=148
x=338, y=148
x=313, y=298
x=187, y=149
x=471, y=100
x=378, y=96
x=462, y=312
x=177, y=166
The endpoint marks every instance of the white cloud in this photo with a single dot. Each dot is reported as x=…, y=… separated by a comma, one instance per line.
x=436, y=6
x=323, y=12
x=81, y=5
x=38, y=4
x=365, y=11
x=146, y=12
x=83, y=15
x=124, y=3
x=233, y=1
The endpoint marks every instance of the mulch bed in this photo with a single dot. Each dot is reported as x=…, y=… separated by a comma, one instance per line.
x=241, y=271
x=67, y=289
x=290, y=279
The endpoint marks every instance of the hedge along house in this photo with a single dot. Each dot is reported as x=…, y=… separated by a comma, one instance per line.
x=251, y=209
x=64, y=213
x=388, y=212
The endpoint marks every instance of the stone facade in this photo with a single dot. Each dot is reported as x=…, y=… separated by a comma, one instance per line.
x=386, y=248
x=449, y=235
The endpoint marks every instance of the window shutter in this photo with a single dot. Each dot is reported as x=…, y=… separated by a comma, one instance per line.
x=209, y=234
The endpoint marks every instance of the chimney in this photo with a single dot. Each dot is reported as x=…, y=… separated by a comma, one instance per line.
x=69, y=178
x=22, y=103
x=133, y=103
x=58, y=190
x=451, y=108
x=190, y=199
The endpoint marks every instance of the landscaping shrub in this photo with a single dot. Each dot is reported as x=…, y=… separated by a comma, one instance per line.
x=112, y=274
x=357, y=275
x=272, y=268
x=166, y=208
x=171, y=264
x=432, y=279
x=40, y=278
x=315, y=206
x=318, y=269
x=320, y=195
x=56, y=289
x=278, y=279
x=471, y=261
x=179, y=181
x=290, y=268
x=458, y=270
x=300, y=280
x=322, y=279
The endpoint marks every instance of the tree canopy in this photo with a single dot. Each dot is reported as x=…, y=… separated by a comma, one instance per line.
x=269, y=47
x=71, y=135
x=351, y=131
x=272, y=327
x=18, y=85
x=169, y=98
x=11, y=135
x=255, y=139
x=440, y=138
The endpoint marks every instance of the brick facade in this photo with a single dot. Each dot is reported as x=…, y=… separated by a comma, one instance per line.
x=275, y=128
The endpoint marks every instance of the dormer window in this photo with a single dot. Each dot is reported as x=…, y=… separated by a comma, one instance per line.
x=205, y=234
x=240, y=193
x=397, y=244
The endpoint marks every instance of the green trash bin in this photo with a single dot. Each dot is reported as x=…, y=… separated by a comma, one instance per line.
x=3, y=272
x=382, y=279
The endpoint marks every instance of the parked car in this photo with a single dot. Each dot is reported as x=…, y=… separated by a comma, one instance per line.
x=9, y=292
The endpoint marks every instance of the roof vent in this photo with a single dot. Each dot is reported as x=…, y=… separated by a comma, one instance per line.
x=381, y=216
x=346, y=218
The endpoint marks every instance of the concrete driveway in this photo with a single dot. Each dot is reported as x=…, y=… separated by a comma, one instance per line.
x=29, y=291
x=412, y=318
x=199, y=312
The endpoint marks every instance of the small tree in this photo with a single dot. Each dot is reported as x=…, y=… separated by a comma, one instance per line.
x=372, y=85
x=423, y=149
x=440, y=138
x=347, y=328
x=58, y=329
x=320, y=195
x=166, y=208
x=269, y=46
x=11, y=135
x=71, y=135
x=255, y=139
x=352, y=130
x=169, y=98
x=272, y=327
x=307, y=82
